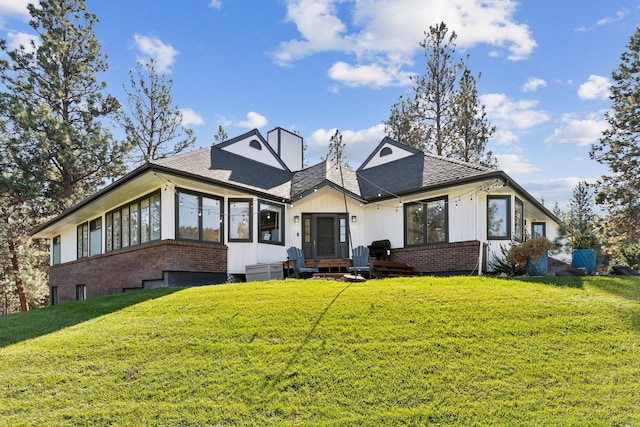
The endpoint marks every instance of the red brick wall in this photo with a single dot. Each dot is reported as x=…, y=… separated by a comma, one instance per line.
x=442, y=258
x=128, y=268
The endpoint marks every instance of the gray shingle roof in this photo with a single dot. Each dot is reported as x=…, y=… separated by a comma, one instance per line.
x=416, y=172
x=324, y=173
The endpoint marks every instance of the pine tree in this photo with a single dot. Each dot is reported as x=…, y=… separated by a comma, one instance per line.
x=442, y=113
x=472, y=130
x=153, y=125
x=55, y=150
x=619, y=147
x=221, y=136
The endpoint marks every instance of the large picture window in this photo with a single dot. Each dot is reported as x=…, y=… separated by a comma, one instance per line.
x=135, y=223
x=270, y=223
x=240, y=220
x=199, y=217
x=426, y=222
x=498, y=215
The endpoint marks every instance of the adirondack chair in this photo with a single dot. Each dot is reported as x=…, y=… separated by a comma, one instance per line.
x=361, y=262
x=296, y=256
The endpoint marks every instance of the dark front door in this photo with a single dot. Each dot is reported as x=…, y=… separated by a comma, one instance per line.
x=325, y=236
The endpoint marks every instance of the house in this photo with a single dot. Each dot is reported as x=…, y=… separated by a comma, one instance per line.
x=198, y=217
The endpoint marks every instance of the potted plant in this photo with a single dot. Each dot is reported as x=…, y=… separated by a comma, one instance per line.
x=533, y=254
x=578, y=230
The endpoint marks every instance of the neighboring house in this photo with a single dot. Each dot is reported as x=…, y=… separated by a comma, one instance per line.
x=198, y=217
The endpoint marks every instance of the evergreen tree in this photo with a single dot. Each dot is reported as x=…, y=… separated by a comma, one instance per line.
x=619, y=147
x=55, y=150
x=221, y=136
x=472, y=130
x=442, y=114
x=153, y=125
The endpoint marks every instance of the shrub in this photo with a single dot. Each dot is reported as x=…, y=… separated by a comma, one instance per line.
x=502, y=265
x=532, y=248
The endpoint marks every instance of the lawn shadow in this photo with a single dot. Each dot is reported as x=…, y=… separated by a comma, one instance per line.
x=19, y=327
x=576, y=282
x=627, y=287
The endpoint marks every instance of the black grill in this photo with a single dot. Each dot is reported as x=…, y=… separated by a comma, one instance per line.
x=380, y=249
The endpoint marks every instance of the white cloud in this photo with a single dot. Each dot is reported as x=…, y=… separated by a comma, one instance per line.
x=15, y=40
x=533, y=84
x=510, y=116
x=216, y=4
x=14, y=9
x=153, y=47
x=358, y=143
x=597, y=87
x=515, y=164
x=555, y=190
x=254, y=121
x=622, y=13
x=190, y=117
x=578, y=131
x=384, y=35
x=373, y=75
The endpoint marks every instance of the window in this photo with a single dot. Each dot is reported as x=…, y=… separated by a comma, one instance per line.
x=539, y=229
x=426, y=222
x=270, y=223
x=386, y=151
x=81, y=292
x=498, y=224
x=199, y=217
x=240, y=220
x=83, y=240
x=137, y=222
x=254, y=143
x=95, y=237
x=56, y=250
x=54, y=295
x=518, y=221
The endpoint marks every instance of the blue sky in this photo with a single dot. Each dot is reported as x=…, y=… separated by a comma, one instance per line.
x=312, y=66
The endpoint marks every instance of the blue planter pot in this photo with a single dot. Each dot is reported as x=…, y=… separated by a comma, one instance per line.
x=538, y=266
x=584, y=258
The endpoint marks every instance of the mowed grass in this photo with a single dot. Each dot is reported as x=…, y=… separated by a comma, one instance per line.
x=418, y=351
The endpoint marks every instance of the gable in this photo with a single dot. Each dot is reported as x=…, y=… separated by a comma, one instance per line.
x=387, y=151
x=253, y=146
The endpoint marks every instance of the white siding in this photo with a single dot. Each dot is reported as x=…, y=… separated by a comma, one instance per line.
x=263, y=155
x=396, y=154
x=289, y=147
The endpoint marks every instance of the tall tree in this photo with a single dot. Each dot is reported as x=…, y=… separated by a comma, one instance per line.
x=221, y=136
x=55, y=150
x=425, y=120
x=153, y=124
x=472, y=130
x=442, y=113
x=619, y=147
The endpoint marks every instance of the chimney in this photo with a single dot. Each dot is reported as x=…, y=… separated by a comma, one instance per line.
x=288, y=146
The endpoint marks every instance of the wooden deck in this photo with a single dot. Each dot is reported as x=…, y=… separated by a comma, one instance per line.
x=337, y=268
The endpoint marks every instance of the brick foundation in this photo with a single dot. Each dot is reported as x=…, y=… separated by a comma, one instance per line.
x=130, y=268
x=459, y=257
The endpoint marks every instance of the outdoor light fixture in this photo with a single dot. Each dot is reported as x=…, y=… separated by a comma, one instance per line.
x=354, y=218
x=296, y=219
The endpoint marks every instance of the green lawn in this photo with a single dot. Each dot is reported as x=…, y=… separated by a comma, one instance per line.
x=419, y=351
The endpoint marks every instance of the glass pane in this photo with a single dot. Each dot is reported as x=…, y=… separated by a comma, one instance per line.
x=109, y=230
x=415, y=224
x=270, y=218
x=125, y=226
x=518, y=232
x=117, y=231
x=56, y=250
x=436, y=222
x=343, y=230
x=211, y=215
x=188, y=227
x=307, y=230
x=155, y=217
x=239, y=220
x=497, y=218
x=95, y=237
x=144, y=221
x=134, y=229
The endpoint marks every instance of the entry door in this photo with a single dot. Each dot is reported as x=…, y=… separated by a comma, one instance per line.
x=325, y=236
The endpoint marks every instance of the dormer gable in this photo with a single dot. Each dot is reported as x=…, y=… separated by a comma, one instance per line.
x=253, y=146
x=387, y=151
